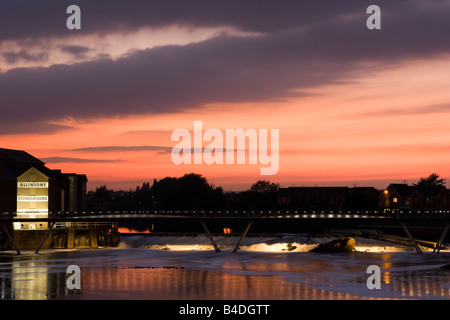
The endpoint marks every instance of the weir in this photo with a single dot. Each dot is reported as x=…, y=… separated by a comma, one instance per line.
x=439, y=245
x=91, y=222
x=63, y=236
x=410, y=236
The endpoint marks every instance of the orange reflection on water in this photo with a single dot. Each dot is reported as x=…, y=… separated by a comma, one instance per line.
x=386, y=278
x=177, y=284
x=236, y=277
x=130, y=230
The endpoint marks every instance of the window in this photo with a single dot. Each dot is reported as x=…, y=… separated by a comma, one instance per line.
x=394, y=200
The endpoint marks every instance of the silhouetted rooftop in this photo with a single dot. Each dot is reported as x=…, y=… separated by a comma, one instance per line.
x=20, y=156
x=403, y=189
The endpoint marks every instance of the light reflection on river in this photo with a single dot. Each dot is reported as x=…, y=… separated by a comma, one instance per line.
x=140, y=273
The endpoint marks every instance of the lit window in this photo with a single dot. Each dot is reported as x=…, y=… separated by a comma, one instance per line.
x=394, y=200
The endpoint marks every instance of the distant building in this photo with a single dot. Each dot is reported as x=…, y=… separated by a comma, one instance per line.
x=397, y=196
x=314, y=197
x=32, y=190
x=329, y=198
x=404, y=197
x=364, y=198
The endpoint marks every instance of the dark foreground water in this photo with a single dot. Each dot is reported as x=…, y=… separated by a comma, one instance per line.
x=199, y=273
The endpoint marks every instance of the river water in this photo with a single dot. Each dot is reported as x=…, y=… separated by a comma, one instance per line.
x=187, y=268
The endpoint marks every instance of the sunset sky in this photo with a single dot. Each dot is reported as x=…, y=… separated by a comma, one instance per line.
x=352, y=105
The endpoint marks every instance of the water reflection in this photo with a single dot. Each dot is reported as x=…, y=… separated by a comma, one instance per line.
x=17, y=282
x=141, y=275
x=31, y=280
x=176, y=284
x=31, y=286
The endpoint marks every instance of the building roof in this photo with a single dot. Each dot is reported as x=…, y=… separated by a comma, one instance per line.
x=20, y=156
x=315, y=191
x=403, y=189
x=362, y=190
x=10, y=174
x=430, y=191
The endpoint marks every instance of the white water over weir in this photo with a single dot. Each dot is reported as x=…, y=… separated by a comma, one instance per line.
x=337, y=219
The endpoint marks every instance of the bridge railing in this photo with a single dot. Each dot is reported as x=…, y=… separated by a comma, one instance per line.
x=248, y=213
x=226, y=213
x=71, y=224
x=422, y=214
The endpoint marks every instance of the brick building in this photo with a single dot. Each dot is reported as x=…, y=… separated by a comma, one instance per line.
x=405, y=197
x=30, y=189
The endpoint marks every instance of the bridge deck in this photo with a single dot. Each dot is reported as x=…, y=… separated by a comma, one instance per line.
x=241, y=214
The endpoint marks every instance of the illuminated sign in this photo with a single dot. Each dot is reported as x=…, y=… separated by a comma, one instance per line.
x=33, y=198
x=28, y=211
x=32, y=184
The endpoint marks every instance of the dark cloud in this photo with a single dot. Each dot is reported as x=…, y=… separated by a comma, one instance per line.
x=32, y=127
x=47, y=18
x=24, y=55
x=77, y=51
x=306, y=44
x=425, y=110
x=165, y=79
x=75, y=160
x=160, y=149
x=21, y=19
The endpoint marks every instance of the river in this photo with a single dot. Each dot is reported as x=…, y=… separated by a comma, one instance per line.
x=187, y=268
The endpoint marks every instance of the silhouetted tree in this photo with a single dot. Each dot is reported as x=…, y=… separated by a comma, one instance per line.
x=432, y=180
x=100, y=199
x=102, y=192
x=262, y=195
x=190, y=192
x=264, y=186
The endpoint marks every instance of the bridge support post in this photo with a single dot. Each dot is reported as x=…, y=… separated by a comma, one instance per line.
x=439, y=245
x=209, y=235
x=45, y=237
x=410, y=236
x=242, y=236
x=10, y=238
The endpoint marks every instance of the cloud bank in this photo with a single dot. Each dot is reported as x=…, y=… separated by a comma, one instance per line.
x=300, y=45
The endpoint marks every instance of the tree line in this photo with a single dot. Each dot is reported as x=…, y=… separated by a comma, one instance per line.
x=193, y=192
x=189, y=192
